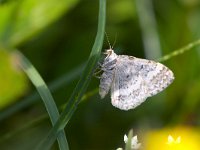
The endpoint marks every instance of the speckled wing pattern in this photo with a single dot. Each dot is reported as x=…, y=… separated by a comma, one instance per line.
x=136, y=79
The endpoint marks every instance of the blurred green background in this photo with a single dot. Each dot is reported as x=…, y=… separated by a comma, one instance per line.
x=57, y=37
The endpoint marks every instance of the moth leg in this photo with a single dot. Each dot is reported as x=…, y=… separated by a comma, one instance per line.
x=97, y=74
x=99, y=64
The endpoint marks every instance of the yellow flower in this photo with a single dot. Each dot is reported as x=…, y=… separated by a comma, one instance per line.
x=187, y=139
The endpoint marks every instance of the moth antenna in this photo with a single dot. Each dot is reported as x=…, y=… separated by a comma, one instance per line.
x=108, y=40
x=114, y=40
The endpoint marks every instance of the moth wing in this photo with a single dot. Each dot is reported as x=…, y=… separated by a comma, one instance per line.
x=136, y=79
x=128, y=90
x=105, y=83
x=156, y=75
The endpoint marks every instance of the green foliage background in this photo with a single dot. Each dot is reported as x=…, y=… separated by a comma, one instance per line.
x=57, y=37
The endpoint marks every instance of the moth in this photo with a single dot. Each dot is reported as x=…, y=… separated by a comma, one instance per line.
x=132, y=80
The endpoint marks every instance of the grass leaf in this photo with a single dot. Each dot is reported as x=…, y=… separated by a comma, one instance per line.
x=44, y=93
x=83, y=82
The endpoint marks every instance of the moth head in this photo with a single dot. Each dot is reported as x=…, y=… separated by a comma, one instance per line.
x=110, y=55
x=109, y=52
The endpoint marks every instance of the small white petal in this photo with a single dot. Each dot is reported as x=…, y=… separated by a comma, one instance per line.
x=119, y=149
x=134, y=140
x=136, y=146
x=125, y=138
x=170, y=139
x=134, y=143
x=178, y=140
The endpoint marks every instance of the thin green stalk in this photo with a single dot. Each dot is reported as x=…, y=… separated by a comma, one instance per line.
x=180, y=51
x=45, y=94
x=89, y=94
x=129, y=142
x=83, y=82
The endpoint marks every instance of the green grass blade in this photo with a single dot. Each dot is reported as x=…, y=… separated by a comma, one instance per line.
x=83, y=82
x=44, y=93
x=34, y=97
